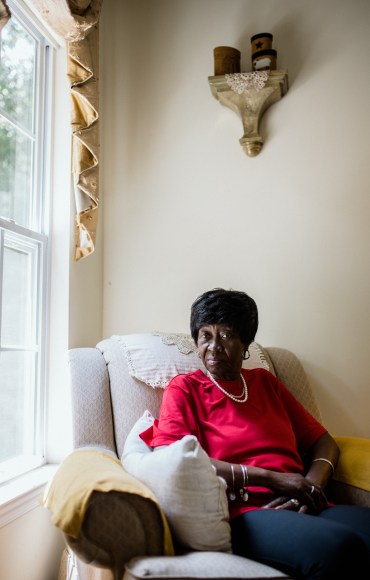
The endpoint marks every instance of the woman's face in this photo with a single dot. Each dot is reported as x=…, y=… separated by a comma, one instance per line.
x=221, y=351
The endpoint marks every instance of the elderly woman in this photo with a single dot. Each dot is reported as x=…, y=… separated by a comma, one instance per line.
x=275, y=457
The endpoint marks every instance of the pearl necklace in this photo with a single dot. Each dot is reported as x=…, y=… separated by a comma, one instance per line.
x=237, y=398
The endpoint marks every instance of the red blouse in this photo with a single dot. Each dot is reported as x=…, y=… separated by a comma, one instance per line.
x=270, y=430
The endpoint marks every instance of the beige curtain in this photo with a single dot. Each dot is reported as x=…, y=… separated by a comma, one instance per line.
x=4, y=13
x=77, y=21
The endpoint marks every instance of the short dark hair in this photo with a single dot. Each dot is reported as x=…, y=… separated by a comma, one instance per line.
x=232, y=307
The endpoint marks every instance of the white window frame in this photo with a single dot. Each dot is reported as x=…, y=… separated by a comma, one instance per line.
x=37, y=238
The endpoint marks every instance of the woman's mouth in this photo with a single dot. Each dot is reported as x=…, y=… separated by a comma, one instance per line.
x=214, y=361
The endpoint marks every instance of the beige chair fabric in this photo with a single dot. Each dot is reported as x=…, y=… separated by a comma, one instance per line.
x=290, y=372
x=198, y=565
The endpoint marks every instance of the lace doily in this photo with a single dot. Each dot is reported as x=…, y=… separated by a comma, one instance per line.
x=243, y=82
x=184, y=342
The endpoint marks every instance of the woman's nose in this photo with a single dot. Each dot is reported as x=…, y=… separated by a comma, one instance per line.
x=215, y=344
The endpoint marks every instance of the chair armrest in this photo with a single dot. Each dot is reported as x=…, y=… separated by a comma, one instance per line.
x=117, y=527
x=351, y=479
x=106, y=515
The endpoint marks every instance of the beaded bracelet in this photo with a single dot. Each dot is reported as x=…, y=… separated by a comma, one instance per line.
x=326, y=460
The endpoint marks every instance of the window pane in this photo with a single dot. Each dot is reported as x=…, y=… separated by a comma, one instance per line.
x=17, y=414
x=16, y=163
x=17, y=74
x=19, y=304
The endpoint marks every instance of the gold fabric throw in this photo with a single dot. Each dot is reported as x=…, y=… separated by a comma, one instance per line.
x=353, y=467
x=85, y=471
x=77, y=21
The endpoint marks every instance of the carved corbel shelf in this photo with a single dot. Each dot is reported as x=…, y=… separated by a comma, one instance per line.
x=251, y=105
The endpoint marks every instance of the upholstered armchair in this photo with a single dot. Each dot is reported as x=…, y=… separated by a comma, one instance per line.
x=113, y=522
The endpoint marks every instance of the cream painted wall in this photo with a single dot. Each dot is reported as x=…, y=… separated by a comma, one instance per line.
x=186, y=210
x=30, y=548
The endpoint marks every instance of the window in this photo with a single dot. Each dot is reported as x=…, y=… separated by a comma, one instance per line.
x=25, y=68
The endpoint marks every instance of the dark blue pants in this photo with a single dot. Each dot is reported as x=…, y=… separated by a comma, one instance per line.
x=332, y=545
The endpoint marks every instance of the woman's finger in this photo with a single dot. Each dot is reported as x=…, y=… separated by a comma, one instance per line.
x=275, y=502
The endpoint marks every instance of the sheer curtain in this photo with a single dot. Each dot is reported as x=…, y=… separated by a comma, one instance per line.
x=77, y=21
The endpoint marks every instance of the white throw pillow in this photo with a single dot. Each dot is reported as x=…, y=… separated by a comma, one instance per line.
x=185, y=483
x=156, y=358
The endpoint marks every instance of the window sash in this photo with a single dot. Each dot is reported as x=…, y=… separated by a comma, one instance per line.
x=36, y=134
x=23, y=358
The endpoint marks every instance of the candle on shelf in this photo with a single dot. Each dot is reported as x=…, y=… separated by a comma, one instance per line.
x=261, y=41
x=263, y=55
x=227, y=60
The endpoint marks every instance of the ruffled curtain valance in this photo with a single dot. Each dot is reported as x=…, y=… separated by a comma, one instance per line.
x=77, y=21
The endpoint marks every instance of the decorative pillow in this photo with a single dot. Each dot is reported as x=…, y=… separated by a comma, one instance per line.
x=185, y=483
x=156, y=358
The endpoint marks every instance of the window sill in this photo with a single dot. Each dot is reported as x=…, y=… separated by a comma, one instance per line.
x=23, y=494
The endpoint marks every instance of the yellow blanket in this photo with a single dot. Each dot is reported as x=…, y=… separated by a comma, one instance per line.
x=353, y=466
x=81, y=473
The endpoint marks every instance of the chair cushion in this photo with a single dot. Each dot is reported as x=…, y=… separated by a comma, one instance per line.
x=185, y=483
x=199, y=565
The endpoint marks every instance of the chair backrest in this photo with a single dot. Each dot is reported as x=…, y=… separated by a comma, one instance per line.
x=113, y=384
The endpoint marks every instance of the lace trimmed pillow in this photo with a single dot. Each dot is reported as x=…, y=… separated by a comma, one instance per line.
x=156, y=358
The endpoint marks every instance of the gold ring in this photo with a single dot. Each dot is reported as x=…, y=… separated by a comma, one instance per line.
x=295, y=502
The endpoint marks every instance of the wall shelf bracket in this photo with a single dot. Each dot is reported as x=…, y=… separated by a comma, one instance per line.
x=251, y=105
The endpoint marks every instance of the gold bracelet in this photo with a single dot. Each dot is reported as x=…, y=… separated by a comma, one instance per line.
x=326, y=460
